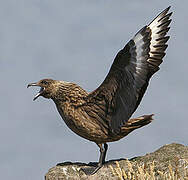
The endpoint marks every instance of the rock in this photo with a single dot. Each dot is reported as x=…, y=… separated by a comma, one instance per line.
x=168, y=162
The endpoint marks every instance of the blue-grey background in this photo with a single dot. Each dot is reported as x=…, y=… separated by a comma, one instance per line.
x=77, y=41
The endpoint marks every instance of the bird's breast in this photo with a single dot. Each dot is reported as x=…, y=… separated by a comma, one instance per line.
x=81, y=123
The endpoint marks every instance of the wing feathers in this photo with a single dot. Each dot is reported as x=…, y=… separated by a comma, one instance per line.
x=159, y=28
x=128, y=78
x=132, y=78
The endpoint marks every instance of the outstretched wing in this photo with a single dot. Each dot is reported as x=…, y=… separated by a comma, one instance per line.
x=123, y=88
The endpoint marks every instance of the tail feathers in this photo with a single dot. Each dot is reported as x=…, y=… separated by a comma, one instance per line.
x=136, y=123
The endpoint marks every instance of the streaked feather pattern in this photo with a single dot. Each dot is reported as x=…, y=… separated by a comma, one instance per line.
x=128, y=78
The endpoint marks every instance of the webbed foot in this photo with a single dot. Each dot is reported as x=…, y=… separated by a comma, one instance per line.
x=91, y=170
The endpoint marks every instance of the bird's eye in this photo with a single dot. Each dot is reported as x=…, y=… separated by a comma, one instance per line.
x=44, y=82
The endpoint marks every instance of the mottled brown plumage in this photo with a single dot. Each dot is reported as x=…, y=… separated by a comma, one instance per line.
x=104, y=115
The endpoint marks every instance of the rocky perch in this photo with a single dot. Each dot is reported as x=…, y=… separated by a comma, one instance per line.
x=168, y=162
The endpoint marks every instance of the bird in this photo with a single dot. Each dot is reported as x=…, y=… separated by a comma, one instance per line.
x=104, y=115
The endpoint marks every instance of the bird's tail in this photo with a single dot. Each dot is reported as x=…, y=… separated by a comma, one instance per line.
x=136, y=123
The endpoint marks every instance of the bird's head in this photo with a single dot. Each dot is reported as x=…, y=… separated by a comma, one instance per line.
x=47, y=88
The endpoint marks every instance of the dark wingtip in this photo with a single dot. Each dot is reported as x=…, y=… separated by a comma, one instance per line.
x=164, y=12
x=170, y=13
x=167, y=9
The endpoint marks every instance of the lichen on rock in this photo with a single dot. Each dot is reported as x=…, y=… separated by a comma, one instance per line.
x=168, y=162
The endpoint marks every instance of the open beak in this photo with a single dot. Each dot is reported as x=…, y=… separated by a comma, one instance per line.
x=40, y=91
x=31, y=84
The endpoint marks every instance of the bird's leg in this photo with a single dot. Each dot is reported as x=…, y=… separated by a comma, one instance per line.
x=103, y=150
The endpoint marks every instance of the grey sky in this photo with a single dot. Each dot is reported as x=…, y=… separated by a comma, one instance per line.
x=77, y=41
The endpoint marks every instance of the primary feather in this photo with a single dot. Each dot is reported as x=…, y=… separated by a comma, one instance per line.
x=128, y=78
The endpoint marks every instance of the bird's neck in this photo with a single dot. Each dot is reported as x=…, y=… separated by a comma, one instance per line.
x=69, y=92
